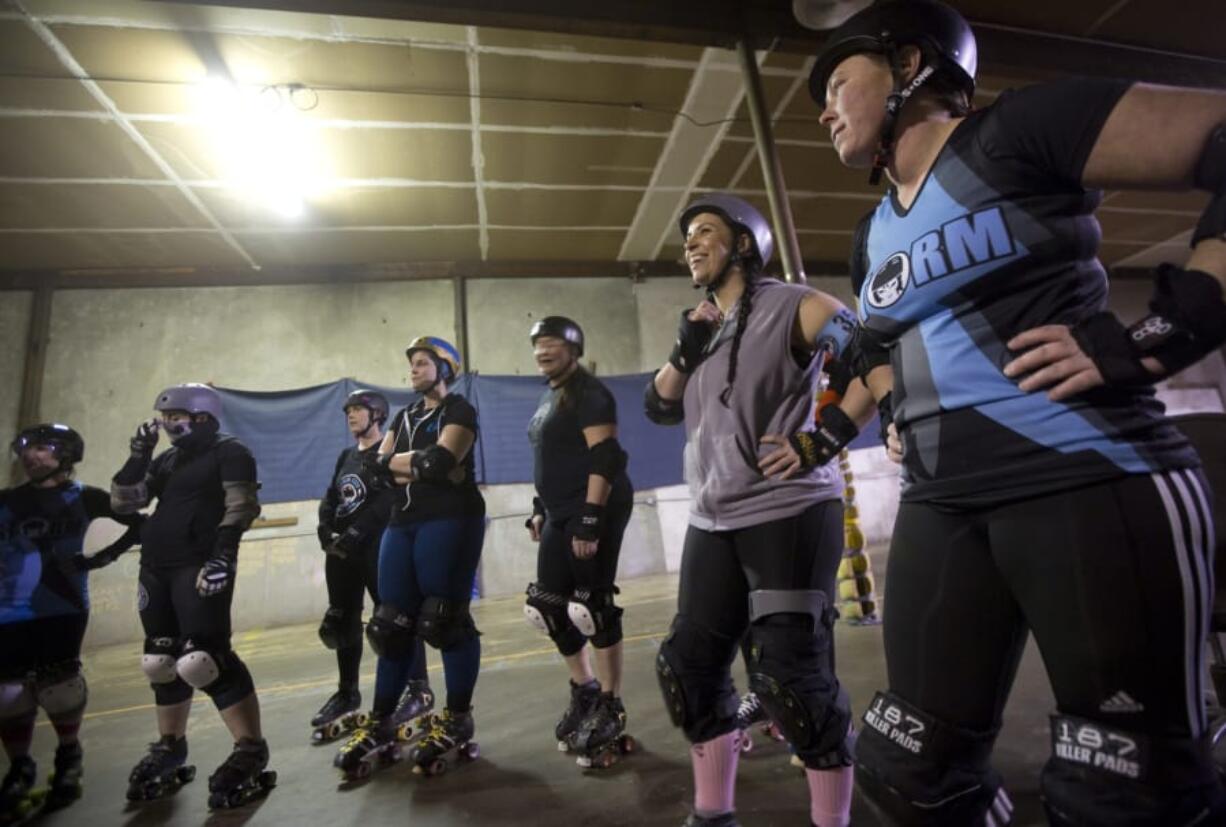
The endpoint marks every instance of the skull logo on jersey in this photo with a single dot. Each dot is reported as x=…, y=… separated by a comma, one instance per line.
x=890, y=281
x=353, y=493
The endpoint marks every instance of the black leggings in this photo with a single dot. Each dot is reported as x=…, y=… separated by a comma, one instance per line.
x=560, y=572
x=718, y=571
x=1115, y=580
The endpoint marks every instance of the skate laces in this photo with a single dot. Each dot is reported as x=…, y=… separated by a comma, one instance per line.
x=749, y=708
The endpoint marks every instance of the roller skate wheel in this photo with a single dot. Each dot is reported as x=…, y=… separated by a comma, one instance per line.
x=584, y=761
x=332, y=730
x=471, y=751
x=746, y=742
x=563, y=746
x=627, y=744
x=268, y=779
x=362, y=771
x=361, y=719
x=437, y=767
x=186, y=774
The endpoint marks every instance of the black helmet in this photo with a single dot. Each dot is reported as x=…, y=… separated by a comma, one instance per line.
x=372, y=401
x=559, y=327
x=939, y=30
x=68, y=443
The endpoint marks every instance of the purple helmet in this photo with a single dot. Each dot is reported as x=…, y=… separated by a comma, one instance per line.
x=372, y=401
x=67, y=442
x=192, y=397
x=739, y=214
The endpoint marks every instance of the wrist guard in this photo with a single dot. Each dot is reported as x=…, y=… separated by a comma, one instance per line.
x=824, y=444
x=587, y=525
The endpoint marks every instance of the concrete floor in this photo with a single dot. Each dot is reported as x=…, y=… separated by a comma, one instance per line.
x=520, y=778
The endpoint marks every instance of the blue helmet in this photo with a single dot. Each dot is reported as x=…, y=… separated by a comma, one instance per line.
x=67, y=443
x=442, y=351
x=740, y=215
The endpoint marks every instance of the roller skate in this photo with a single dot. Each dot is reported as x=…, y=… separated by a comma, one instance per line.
x=338, y=715
x=601, y=739
x=16, y=805
x=64, y=784
x=369, y=748
x=751, y=712
x=583, y=700
x=726, y=820
x=242, y=776
x=412, y=716
x=448, y=742
x=162, y=771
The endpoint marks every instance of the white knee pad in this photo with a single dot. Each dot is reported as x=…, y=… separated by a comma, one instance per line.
x=198, y=668
x=535, y=618
x=16, y=699
x=64, y=697
x=581, y=615
x=159, y=668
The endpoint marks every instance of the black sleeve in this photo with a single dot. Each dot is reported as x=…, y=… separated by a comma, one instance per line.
x=1051, y=127
x=596, y=406
x=858, y=263
x=98, y=505
x=155, y=477
x=395, y=428
x=327, y=505
x=235, y=463
x=462, y=413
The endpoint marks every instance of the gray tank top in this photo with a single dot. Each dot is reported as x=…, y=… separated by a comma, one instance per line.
x=772, y=395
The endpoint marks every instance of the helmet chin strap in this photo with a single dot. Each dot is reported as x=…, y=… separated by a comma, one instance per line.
x=893, y=106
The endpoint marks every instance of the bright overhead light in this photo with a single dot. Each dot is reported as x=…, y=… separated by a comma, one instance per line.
x=268, y=149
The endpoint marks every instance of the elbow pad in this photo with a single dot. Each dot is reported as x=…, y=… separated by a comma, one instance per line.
x=128, y=499
x=242, y=505
x=433, y=464
x=660, y=410
x=608, y=459
x=865, y=352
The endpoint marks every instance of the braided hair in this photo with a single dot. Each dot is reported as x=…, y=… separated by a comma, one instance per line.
x=751, y=266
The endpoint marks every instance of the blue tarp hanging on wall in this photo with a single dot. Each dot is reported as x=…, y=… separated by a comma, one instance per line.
x=297, y=434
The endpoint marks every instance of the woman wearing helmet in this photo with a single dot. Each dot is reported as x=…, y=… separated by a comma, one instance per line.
x=1043, y=490
x=583, y=504
x=352, y=515
x=44, y=608
x=765, y=531
x=427, y=560
x=206, y=491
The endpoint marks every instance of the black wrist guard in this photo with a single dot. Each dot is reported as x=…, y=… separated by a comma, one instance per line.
x=587, y=525
x=885, y=415
x=1187, y=323
x=538, y=510
x=832, y=435
x=690, y=349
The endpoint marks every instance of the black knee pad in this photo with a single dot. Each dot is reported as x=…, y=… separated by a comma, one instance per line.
x=790, y=671
x=391, y=631
x=445, y=623
x=1103, y=775
x=547, y=611
x=340, y=629
x=692, y=667
x=596, y=616
x=217, y=671
x=925, y=772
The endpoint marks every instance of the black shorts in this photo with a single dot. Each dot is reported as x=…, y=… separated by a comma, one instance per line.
x=558, y=570
x=171, y=607
x=29, y=644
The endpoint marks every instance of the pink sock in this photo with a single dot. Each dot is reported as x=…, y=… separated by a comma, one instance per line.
x=830, y=796
x=715, y=774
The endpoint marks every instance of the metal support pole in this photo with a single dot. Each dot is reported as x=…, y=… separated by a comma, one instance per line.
x=772, y=171
x=460, y=291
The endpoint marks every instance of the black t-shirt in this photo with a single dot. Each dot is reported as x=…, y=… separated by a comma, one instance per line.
x=563, y=462
x=418, y=427
x=1001, y=238
x=191, y=500
x=356, y=497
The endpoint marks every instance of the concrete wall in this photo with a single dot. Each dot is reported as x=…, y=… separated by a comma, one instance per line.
x=14, y=328
x=112, y=350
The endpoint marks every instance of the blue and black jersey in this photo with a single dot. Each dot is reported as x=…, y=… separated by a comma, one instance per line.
x=1002, y=238
x=41, y=532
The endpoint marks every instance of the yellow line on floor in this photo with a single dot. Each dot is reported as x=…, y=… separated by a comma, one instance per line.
x=277, y=689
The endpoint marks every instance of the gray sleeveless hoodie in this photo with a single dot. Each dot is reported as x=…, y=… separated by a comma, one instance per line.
x=771, y=395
